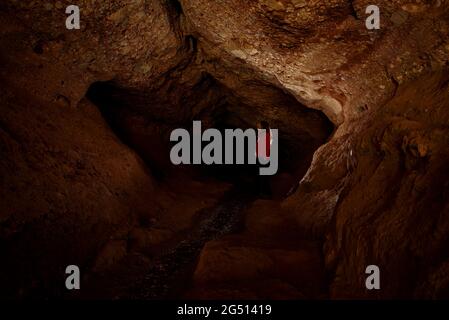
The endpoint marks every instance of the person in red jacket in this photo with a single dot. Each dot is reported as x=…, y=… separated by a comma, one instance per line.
x=264, y=141
x=263, y=146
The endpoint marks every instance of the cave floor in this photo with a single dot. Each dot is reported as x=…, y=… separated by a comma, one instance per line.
x=163, y=264
x=163, y=268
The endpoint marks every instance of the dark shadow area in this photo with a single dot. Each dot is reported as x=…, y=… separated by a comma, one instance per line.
x=144, y=121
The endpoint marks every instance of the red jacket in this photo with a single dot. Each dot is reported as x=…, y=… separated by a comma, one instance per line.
x=263, y=144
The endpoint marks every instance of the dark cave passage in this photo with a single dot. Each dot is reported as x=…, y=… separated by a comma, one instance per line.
x=141, y=120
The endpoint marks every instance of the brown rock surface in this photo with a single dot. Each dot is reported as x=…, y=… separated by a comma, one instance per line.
x=268, y=260
x=64, y=194
x=69, y=185
x=394, y=212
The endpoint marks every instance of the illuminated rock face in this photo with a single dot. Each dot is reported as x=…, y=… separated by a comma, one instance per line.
x=373, y=102
x=394, y=212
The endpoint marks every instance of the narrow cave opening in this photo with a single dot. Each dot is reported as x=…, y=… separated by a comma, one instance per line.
x=144, y=120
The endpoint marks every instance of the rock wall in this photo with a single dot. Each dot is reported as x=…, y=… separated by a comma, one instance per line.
x=393, y=210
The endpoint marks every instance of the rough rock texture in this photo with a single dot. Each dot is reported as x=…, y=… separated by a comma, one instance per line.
x=337, y=66
x=268, y=260
x=68, y=184
x=64, y=194
x=324, y=65
x=374, y=103
x=395, y=209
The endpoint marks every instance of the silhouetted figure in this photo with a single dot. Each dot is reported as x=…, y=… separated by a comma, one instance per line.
x=263, y=146
x=264, y=141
